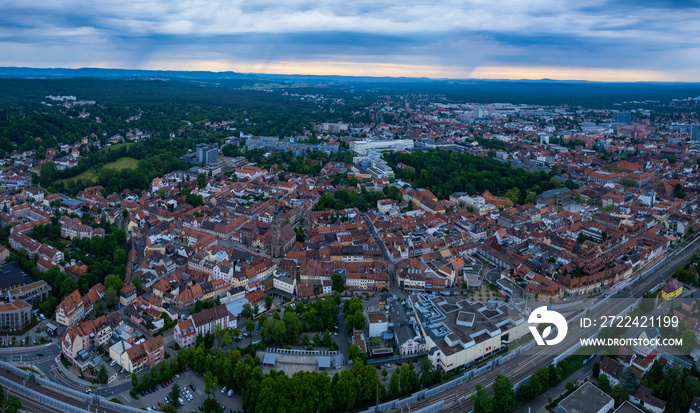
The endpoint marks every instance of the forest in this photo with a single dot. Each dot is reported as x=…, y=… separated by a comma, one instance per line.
x=444, y=172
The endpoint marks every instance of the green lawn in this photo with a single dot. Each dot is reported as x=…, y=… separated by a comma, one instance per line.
x=123, y=163
x=117, y=146
x=87, y=175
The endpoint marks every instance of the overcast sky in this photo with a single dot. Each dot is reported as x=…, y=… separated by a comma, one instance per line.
x=560, y=39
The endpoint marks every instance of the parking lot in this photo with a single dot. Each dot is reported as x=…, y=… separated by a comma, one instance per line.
x=232, y=403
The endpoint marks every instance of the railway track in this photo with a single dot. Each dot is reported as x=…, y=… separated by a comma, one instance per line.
x=31, y=405
x=458, y=398
x=54, y=395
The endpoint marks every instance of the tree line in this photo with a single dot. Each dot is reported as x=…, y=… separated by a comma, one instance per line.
x=444, y=172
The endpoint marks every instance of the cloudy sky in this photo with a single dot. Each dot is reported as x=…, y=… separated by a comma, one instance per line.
x=613, y=40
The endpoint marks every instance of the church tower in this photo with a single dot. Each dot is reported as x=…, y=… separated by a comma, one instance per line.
x=275, y=243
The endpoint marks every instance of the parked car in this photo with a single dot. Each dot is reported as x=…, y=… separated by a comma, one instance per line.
x=230, y=393
x=223, y=390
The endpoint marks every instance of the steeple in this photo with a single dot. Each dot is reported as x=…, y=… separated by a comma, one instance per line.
x=275, y=244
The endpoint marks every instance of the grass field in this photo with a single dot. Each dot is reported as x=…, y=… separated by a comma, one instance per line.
x=117, y=146
x=87, y=175
x=121, y=163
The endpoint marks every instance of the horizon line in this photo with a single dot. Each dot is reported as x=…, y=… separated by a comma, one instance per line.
x=350, y=76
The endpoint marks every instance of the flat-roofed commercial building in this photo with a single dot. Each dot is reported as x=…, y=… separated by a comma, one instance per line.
x=459, y=332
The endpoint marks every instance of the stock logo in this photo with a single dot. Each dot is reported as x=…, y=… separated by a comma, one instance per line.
x=542, y=315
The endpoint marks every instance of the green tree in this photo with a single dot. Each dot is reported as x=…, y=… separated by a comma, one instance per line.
x=175, y=394
x=482, y=402
x=689, y=341
x=134, y=380
x=249, y=325
x=345, y=390
x=247, y=311
x=226, y=339
x=111, y=298
x=338, y=282
x=47, y=175
x=603, y=382
x=268, y=301
x=619, y=394
x=395, y=384
x=209, y=384
x=211, y=405
x=628, y=380
x=504, y=395
x=113, y=281
x=100, y=308
x=355, y=352
x=274, y=331
x=201, y=180
x=136, y=282
x=102, y=375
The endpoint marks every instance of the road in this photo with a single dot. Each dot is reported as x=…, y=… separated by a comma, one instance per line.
x=393, y=283
x=458, y=399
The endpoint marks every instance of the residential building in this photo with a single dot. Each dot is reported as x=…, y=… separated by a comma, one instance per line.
x=34, y=293
x=127, y=295
x=611, y=368
x=285, y=284
x=141, y=356
x=155, y=351
x=642, y=396
x=672, y=289
x=70, y=310
x=206, y=321
x=15, y=316
x=87, y=336
x=185, y=334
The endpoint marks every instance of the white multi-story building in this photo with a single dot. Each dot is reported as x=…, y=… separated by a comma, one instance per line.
x=361, y=147
x=285, y=284
x=458, y=332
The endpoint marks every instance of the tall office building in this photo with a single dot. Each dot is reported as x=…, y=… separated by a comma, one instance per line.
x=695, y=132
x=207, y=154
x=623, y=117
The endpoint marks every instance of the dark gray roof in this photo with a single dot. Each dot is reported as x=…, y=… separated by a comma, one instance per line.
x=554, y=192
x=11, y=275
x=403, y=330
x=587, y=398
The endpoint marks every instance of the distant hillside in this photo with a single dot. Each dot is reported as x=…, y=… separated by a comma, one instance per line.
x=545, y=91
